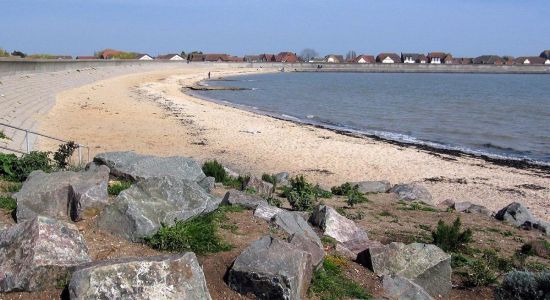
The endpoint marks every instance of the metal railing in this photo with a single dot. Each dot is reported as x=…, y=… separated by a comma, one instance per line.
x=28, y=144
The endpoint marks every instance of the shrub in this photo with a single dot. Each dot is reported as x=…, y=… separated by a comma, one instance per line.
x=479, y=273
x=449, y=237
x=329, y=282
x=274, y=202
x=199, y=234
x=118, y=186
x=3, y=136
x=342, y=190
x=302, y=195
x=8, y=203
x=14, y=168
x=269, y=178
x=524, y=285
x=214, y=169
x=4, y=53
x=351, y=191
x=63, y=155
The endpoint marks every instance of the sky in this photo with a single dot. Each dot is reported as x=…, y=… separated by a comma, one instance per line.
x=461, y=27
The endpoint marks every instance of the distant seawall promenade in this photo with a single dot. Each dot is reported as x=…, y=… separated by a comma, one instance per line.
x=13, y=67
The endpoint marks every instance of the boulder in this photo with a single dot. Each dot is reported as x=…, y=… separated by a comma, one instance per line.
x=337, y=226
x=447, y=203
x=235, y=197
x=271, y=269
x=478, y=209
x=542, y=226
x=426, y=265
x=63, y=195
x=305, y=244
x=517, y=214
x=208, y=183
x=176, y=276
x=140, y=210
x=282, y=178
x=412, y=192
x=262, y=188
x=37, y=254
x=266, y=211
x=399, y=287
x=373, y=186
x=462, y=206
x=231, y=173
x=133, y=166
x=293, y=223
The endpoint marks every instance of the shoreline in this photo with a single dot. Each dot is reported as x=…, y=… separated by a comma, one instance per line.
x=153, y=116
x=517, y=163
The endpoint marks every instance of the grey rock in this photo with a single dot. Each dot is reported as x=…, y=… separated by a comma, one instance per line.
x=516, y=214
x=262, y=188
x=282, y=178
x=36, y=254
x=231, y=173
x=337, y=226
x=133, y=166
x=542, y=226
x=293, y=223
x=462, y=206
x=63, y=195
x=3, y=226
x=301, y=242
x=266, y=211
x=176, y=276
x=399, y=287
x=412, y=192
x=426, y=265
x=235, y=197
x=139, y=211
x=366, y=187
x=447, y=203
x=271, y=269
x=208, y=183
x=478, y=209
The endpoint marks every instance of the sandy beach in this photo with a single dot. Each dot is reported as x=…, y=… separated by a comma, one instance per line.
x=149, y=113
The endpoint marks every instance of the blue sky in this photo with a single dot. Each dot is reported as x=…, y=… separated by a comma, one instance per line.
x=462, y=27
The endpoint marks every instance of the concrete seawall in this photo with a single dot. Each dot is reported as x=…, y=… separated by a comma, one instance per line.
x=14, y=67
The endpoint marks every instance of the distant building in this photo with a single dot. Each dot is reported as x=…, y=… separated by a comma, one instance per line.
x=488, y=60
x=144, y=57
x=545, y=54
x=287, y=57
x=267, y=57
x=365, y=59
x=463, y=61
x=196, y=57
x=252, y=58
x=439, y=58
x=413, y=58
x=86, y=57
x=388, y=58
x=110, y=53
x=216, y=57
x=333, y=58
x=170, y=57
x=530, y=60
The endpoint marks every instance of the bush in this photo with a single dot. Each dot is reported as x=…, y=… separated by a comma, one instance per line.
x=524, y=285
x=118, y=186
x=329, y=282
x=479, y=273
x=214, y=169
x=302, y=195
x=63, y=155
x=4, y=53
x=14, y=168
x=351, y=191
x=3, y=136
x=269, y=178
x=199, y=234
x=238, y=183
x=8, y=203
x=449, y=237
x=274, y=202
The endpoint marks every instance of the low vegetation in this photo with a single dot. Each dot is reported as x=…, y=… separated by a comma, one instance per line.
x=522, y=285
x=15, y=168
x=8, y=203
x=116, y=187
x=302, y=195
x=3, y=136
x=199, y=234
x=354, y=196
x=415, y=206
x=450, y=238
x=330, y=283
x=215, y=169
x=270, y=178
x=10, y=186
x=63, y=155
x=4, y=53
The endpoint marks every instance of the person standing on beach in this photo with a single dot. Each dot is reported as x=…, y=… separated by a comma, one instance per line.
x=208, y=75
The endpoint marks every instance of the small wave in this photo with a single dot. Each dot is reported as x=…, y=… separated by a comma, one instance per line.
x=310, y=116
x=290, y=117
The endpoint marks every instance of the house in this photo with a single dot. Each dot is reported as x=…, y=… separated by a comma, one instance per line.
x=267, y=57
x=110, y=53
x=170, y=57
x=530, y=60
x=252, y=58
x=388, y=58
x=333, y=58
x=216, y=57
x=488, y=60
x=413, y=58
x=316, y=60
x=365, y=59
x=86, y=57
x=545, y=54
x=144, y=57
x=195, y=57
x=463, y=61
x=287, y=57
x=439, y=58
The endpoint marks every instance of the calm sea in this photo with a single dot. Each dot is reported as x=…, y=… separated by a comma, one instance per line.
x=500, y=115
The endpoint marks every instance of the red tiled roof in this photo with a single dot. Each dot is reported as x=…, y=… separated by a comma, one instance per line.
x=368, y=58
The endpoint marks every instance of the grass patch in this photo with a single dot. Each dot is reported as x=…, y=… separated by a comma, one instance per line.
x=269, y=178
x=415, y=206
x=386, y=213
x=8, y=203
x=118, y=186
x=3, y=136
x=214, y=169
x=10, y=186
x=328, y=241
x=199, y=234
x=330, y=284
x=357, y=215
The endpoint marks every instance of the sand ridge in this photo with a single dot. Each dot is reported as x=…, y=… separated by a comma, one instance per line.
x=149, y=113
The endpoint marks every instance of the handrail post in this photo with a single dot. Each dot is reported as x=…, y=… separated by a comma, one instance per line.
x=27, y=140
x=79, y=155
